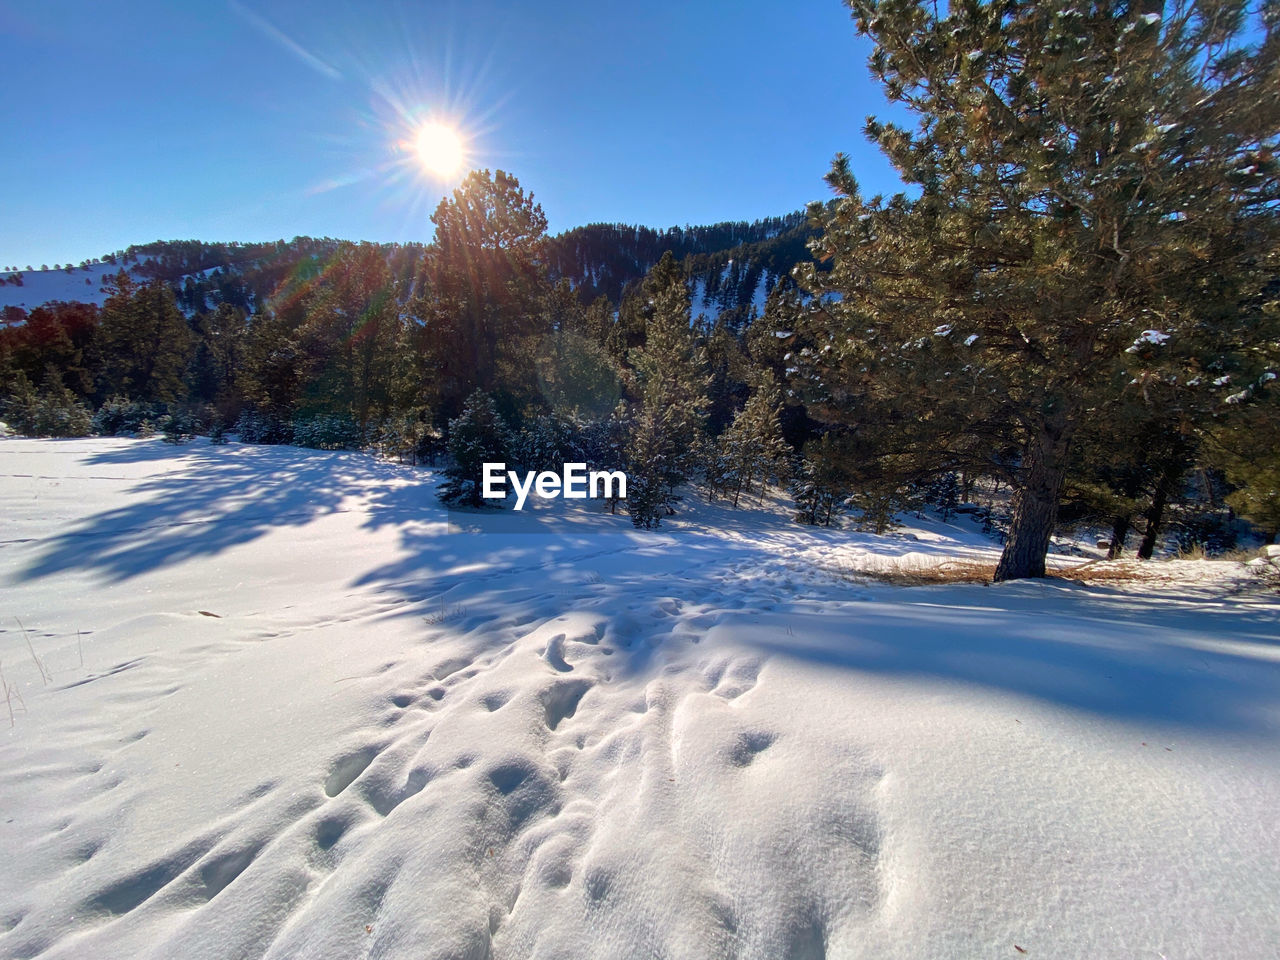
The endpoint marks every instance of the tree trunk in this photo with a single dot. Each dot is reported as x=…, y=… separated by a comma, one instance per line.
x=1155, y=514
x=1119, y=530
x=1035, y=501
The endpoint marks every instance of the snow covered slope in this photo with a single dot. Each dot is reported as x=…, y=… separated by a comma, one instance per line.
x=265, y=704
x=83, y=284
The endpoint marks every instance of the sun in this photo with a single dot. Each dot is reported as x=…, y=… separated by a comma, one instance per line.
x=439, y=148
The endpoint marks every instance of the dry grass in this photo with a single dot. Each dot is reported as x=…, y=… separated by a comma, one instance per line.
x=1112, y=571
x=445, y=614
x=922, y=572
x=9, y=693
x=907, y=573
x=45, y=675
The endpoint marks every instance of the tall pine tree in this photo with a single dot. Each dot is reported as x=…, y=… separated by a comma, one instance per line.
x=142, y=343
x=1082, y=172
x=752, y=448
x=672, y=383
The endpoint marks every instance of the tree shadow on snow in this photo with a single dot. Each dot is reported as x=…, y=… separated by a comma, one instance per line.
x=1116, y=653
x=216, y=498
x=1127, y=657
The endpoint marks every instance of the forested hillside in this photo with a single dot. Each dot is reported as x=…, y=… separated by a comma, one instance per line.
x=730, y=264
x=735, y=264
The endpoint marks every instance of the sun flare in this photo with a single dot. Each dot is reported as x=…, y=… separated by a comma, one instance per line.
x=439, y=149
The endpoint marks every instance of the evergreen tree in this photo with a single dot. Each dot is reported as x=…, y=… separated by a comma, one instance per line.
x=476, y=436
x=752, y=449
x=944, y=495
x=576, y=377
x=1247, y=448
x=819, y=484
x=598, y=321
x=405, y=435
x=1085, y=171
x=347, y=337
x=730, y=375
x=672, y=385
x=57, y=335
x=219, y=354
x=53, y=411
x=1128, y=460
x=604, y=441
x=269, y=379
x=485, y=306
x=142, y=344
x=649, y=473
x=178, y=427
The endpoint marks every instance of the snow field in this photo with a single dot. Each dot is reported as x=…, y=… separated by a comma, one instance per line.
x=291, y=715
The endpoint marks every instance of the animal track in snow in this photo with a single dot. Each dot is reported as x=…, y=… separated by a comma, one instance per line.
x=554, y=654
x=597, y=883
x=87, y=850
x=131, y=891
x=330, y=829
x=560, y=700
x=219, y=870
x=496, y=700
x=740, y=678
x=447, y=668
x=386, y=796
x=749, y=745
x=346, y=769
x=523, y=790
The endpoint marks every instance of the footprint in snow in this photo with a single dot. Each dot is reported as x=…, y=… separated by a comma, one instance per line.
x=749, y=745
x=554, y=654
x=347, y=768
x=560, y=700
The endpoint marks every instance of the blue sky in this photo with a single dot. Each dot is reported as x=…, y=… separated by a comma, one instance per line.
x=259, y=119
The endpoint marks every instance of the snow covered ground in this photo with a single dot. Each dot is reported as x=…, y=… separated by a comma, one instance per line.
x=266, y=704
x=83, y=284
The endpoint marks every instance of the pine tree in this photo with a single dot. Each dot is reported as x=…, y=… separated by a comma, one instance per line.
x=1085, y=172
x=752, y=449
x=819, y=483
x=219, y=353
x=672, y=385
x=20, y=407
x=59, y=335
x=143, y=342
x=546, y=442
x=269, y=378
x=178, y=428
x=1247, y=448
x=604, y=443
x=576, y=376
x=348, y=336
x=484, y=309
x=53, y=411
x=944, y=494
x=476, y=436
